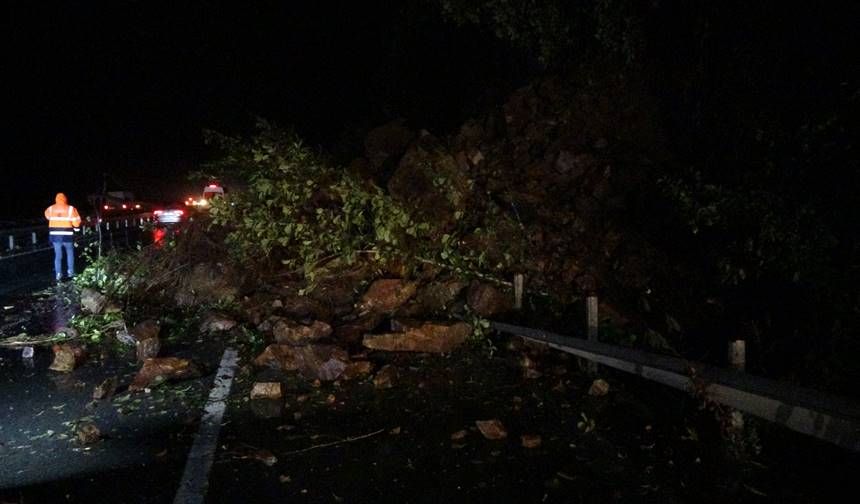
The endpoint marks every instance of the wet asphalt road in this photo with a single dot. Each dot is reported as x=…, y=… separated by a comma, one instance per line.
x=145, y=437
x=30, y=271
x=141, y=454
x=410, y=454
x=25, y=274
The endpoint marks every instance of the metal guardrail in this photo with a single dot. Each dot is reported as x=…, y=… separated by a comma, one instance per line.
x=825, y=416
x=17, y=242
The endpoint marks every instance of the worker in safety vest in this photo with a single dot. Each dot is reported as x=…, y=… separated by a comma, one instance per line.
x=63, y=221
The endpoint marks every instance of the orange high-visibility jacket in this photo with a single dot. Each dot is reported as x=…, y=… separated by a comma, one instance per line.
x=62, y=217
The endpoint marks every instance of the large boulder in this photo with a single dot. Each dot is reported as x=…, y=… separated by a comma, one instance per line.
x=147, y=348
x=333, y=293
x=487, y=300
x=432, y=337
x=435, y=297
x=357, y=369
x=267, y=390
x=431, y=182
x=277, y=357
x=321, y=362
x=207, y=283
x=285, y=302
x=387, y=295
x=93, y=301
x=216, y=322
x=387, y=142
x=105, y=389
x=574, y=165
x=300, y=307
x=159, y=370
x=492, y=429
x=470, y=136
x=337, y=292
x=146, y=329
x=385, y=377
x=352, y=331
x=288, y=332
x=87, y=433
x=67, y=357
x=147, y=342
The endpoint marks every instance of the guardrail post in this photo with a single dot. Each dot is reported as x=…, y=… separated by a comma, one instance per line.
x=592, y=321
x=827, y=417
x=737, y=360
x=738, y=354
x=518, y=291
x=11, y=242
x=34, y=238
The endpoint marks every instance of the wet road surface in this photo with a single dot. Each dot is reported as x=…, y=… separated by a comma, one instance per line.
x=22, y=275
x=28, y=271
x=352, y=442
x=143, y=439
x=145, y=436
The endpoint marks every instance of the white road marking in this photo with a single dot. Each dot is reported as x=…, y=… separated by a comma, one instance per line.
x=195, y=479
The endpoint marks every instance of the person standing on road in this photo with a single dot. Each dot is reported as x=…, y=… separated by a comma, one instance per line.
x=63, y=221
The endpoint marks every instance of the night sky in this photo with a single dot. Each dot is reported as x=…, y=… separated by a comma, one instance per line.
x=126, y=88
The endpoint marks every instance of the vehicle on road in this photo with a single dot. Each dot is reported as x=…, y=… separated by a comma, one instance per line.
x=117, y=202
x=170, y=214
x=210, y=191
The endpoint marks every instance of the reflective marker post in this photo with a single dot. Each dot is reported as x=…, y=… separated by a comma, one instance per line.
x=593, y=323
x=518, y=291
x=738, y=354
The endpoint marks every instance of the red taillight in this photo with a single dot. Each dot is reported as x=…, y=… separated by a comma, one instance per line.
x=158, y=212
x=124, y=206
x=107, y=207
x=181, y=212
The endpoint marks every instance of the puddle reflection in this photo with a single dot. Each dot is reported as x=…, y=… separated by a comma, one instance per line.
x=61, y=310
x=161, y=235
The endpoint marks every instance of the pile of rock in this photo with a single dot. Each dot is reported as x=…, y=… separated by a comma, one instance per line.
x=317, y=349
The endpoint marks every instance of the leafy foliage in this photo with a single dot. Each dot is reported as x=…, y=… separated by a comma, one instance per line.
x=94, y=327
x=758, y=230
x=150, y=271
x=108, y=274
x=532, y=24
x=300, y=210
x=555, y=29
